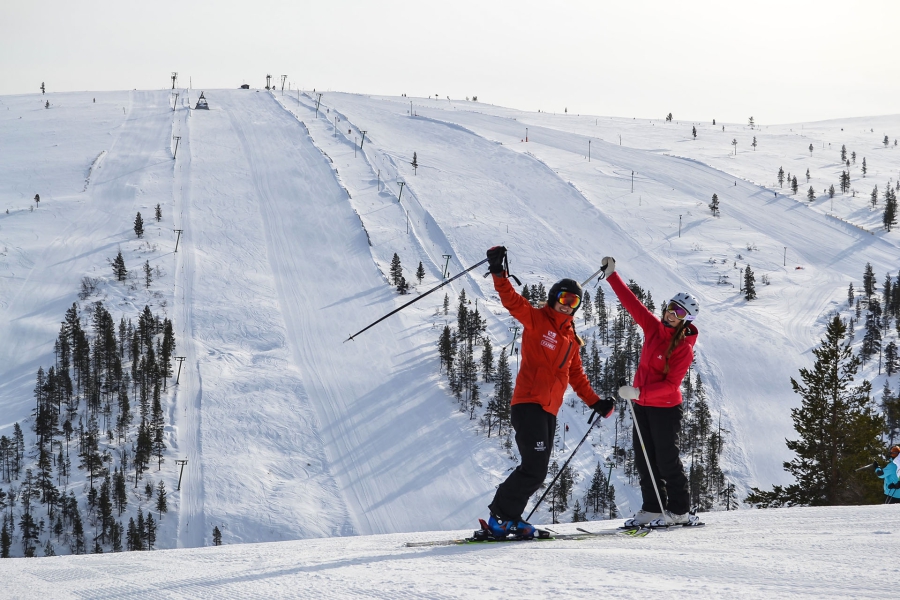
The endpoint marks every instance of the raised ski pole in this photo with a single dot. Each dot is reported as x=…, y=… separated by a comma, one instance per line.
x=566, y=464
x=476, y=265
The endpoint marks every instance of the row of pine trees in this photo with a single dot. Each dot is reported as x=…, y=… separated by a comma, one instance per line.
x=99, y=407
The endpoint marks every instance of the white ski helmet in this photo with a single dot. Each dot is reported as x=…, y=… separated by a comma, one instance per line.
x=689, y=303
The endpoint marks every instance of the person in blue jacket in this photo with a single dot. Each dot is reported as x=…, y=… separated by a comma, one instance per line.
x=891, y=477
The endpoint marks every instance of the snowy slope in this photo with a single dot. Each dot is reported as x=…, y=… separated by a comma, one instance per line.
x=288, y=229
x=581, y=210
x=844, y=552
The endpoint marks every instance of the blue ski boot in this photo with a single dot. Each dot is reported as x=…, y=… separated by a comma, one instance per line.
x=522, y=530
x=499, y=528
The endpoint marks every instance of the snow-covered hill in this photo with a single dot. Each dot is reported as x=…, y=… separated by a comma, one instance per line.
x=289, y=222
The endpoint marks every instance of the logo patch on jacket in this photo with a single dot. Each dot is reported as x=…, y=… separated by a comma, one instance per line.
x=540, y=447
x=549, y=340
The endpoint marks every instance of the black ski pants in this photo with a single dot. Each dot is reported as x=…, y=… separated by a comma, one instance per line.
x=661, y=428
x=534, y=437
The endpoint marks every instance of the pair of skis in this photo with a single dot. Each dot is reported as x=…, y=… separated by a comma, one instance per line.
x=541, y=535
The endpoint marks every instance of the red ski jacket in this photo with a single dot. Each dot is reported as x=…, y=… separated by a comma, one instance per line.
x=550, y=354
x=657, y=388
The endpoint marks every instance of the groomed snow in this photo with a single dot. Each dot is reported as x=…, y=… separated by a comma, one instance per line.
x=844, y=552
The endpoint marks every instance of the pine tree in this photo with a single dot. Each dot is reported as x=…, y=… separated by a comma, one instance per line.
x=150, y=531
x=869, y=281
x=217, y=536
x=602, y=315
x=807, y=176
x=118, y=267
x=402, y=285
x=694, y=132
x=864, y=168
x=890, y=359
x=578, y=515
x=749, y=284
x=831, y=191
x=141, y=531
x=120, y=493
x=754, y=143
x=105, y=508
x=889, y=219
x=794, y=185
x=415, y=163
x=850, y=294
x=5, y=538
x=843, y=153
x=139, y=226
x=148, y=274
x=874, y=196
x=811, y=194
x=116, y=536
x=420, y=272
x=76, y=541
x=133, y=538
x=503, y=391
x=714, y=205
x=396, y=270
x=587, y=310
x=780, y=177
x=838, y=431
x=487, y=360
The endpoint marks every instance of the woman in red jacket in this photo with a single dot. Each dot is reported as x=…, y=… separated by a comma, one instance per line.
x=666, y=355
x=551, y=361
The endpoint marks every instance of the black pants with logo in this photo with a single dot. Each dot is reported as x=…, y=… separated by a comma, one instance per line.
x=534, y=437
x=661, y=428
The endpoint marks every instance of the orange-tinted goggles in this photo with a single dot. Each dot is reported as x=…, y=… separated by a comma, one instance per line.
x=568, y=299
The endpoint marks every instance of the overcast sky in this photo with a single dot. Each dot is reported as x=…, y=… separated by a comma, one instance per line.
x=777, y=60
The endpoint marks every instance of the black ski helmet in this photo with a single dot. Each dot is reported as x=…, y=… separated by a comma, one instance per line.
x=565, y=285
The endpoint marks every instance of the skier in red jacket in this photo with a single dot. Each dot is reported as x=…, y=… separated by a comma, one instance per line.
x=551, y=361
x=666, y=355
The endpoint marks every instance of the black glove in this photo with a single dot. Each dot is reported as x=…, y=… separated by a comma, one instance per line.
x=604, y=407
x=496, y=259
x=894, y=486
x=875, y=466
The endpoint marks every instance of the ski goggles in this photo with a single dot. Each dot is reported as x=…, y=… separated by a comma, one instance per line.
x=679, y=311
x=568, y=299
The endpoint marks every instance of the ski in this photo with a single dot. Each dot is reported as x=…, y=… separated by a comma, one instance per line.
x=635, y=531
x=677, y=525
x=472, y=540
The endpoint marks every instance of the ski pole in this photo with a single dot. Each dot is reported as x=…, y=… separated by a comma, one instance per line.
x=647, y=460
x=566, y=464
x=598, y=272
x=864, y=467
x=416, y=299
